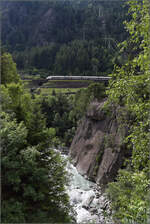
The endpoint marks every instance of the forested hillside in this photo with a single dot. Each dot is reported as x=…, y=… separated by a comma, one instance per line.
x=64, y=37
x=74, y=38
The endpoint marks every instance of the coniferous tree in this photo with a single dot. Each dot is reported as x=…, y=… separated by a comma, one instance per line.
x=33, y=174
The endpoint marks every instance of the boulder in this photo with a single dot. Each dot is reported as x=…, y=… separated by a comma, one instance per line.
x=88, y=198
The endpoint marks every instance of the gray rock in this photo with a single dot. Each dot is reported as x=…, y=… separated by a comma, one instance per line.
x=97, y=149
x=87, y=202
x=94, y=203
x=93, y=211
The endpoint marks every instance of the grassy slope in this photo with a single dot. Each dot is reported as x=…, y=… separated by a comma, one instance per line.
x=67, y=87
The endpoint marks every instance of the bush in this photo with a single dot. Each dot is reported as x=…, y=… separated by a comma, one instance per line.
x=129, y=196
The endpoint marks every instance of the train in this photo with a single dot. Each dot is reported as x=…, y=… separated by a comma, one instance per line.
x=92, y=78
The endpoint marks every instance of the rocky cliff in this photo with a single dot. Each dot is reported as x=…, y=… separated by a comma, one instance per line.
x=98, y=150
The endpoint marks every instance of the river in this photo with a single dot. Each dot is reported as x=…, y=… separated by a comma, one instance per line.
x=90, y=205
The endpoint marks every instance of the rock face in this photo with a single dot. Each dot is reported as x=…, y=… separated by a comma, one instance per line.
x=97, y=149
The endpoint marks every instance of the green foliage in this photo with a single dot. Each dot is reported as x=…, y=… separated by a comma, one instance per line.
x=13, y=97
x=97, y=91
x=130, y=87
x=38, y=133
x=32, y=180
x=72, y=58
x=129, y=196
x=37, y=58
x=60, y=21
x=33, y=175
x=83, y=97
x=78, y=57
x=57, y=111
x=81, y=102
x=83, y=57
x=63, y=112
x=15, y=100
x=73, y=37
x=8, y=70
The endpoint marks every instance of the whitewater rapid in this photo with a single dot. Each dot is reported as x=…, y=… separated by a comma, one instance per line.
x=90, y=205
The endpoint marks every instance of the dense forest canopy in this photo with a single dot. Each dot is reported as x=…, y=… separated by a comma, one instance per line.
x=41, y=23
x=39, y=34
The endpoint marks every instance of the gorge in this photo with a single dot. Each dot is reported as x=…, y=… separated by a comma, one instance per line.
x=105, y=127
x=97, y=152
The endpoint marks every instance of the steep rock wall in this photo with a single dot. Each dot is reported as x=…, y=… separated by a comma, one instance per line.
x=97, y=149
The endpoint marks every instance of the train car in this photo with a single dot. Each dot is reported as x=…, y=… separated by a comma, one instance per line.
x=92, y=78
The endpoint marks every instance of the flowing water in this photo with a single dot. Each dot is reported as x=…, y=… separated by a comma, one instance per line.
x=90, y=205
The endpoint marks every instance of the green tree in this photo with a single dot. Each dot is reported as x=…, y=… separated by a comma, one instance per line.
x=32, y=181
x=95, y=91
x=8, y=70
x=38, y=133
x=33, y=175
x=56, y=110
x=130, y=88
x=17, y=101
